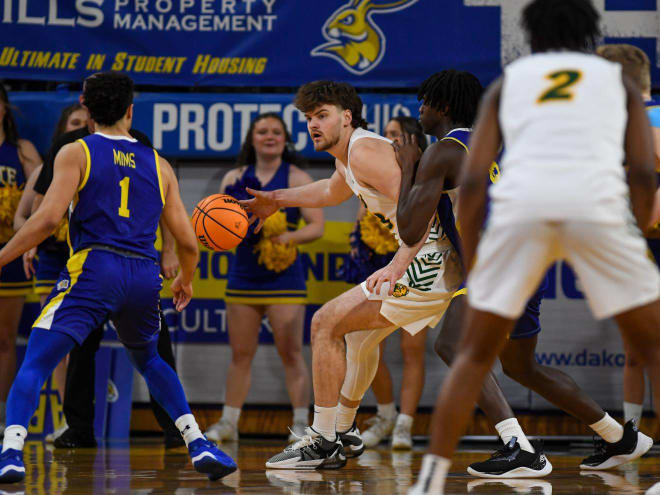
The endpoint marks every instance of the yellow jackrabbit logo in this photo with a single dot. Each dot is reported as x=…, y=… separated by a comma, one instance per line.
x=353, y=38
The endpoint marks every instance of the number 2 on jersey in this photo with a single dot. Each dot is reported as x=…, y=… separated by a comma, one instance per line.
x=561, y=89
x=123, y=205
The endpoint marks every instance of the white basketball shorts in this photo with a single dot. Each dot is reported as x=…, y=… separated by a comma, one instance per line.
x=609, y=259
x=423, y=294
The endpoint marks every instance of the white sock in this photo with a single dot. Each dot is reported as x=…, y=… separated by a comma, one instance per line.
x=3, y=411
x=231, y=414
x=632, y=411
x=301, y=415
x=608, y=429
x=433, y=474
x=510, y=428
x=404, y=420
x=14, y=438
x=188, y=428
x=345, y=417
x=325, y=419
x=387, y=411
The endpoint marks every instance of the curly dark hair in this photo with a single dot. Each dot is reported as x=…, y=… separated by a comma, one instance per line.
x=64, y=117
x=457, y=91
x=107, y=96
x=314, y=94
x=561, y=24
x=8, y=122
x=411, y=126
x=247, y=155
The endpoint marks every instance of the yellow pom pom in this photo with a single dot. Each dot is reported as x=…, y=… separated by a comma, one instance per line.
x=9, y=198
x=275, y=257
x=62, y=230
x=376, y=235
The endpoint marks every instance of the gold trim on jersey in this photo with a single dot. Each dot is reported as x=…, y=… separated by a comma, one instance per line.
x=450, y=138
x=88, y=166
x=160, y=180
x=74, y=267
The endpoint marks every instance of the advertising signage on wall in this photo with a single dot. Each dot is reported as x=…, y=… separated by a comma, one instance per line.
x=370, y=43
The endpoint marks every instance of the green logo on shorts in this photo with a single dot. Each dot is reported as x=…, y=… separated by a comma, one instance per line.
x=400, y=290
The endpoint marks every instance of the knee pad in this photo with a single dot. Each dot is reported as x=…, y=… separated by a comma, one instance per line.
x=362, y=355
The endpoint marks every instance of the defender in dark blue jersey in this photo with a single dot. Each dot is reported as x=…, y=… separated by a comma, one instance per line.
x=118, y=189
x=449, y=106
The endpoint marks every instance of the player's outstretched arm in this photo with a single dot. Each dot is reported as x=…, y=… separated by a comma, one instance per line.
x=639, y=157
x=178, y=222
x=69, y=168
x=485, y=140
x=317, y=194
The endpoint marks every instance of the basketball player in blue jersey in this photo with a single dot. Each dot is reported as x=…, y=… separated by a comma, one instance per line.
x=448, y=105
x=118, y=189
x=636, y=65
x=18, y=159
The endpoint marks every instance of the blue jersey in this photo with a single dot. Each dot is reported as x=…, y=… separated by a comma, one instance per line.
x=121, y=197
x=11, y=169
x=446, y=206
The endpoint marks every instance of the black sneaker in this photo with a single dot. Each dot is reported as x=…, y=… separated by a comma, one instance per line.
x=312, y=451
x=513, y=462
x=72, y=439
x=352, y=441
x=632, y=445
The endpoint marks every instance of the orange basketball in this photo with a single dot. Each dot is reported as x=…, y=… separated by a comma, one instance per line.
x=220, y=222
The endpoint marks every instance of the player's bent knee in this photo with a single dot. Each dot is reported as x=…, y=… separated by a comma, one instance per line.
x=444, y=349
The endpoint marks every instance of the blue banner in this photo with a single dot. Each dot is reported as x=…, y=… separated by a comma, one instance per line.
x=370, y=43
x=207, y=125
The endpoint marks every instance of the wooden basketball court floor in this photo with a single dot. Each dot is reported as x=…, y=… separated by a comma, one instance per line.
x=144, y=467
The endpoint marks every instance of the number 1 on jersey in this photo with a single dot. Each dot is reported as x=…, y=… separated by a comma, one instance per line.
x=563, y=80
x=123, y=205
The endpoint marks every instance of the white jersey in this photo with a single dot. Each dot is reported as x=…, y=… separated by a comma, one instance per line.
x=376, y=202
x=563, y=118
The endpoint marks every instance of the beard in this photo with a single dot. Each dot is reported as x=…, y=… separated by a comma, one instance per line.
x=326, y=144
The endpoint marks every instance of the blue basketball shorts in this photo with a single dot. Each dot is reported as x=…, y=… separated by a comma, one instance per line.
x=98, y=285
x=49, y=267
x=13, y=281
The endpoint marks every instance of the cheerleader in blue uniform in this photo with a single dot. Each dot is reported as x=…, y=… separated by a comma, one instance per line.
x=266, y=277
x=18, y=159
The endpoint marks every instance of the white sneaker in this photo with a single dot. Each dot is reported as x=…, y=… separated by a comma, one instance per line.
x=654, y=490
x=297, y=431
x=380, y=429
x=401, y=438
x=221, y=431
x=51, y=437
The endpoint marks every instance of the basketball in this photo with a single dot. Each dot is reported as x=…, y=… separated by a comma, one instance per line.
x=220, y=223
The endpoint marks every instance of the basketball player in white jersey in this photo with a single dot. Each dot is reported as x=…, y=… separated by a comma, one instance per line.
x=569, y=120
x=403, y=294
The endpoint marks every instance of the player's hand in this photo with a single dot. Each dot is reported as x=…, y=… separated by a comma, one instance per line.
x=261, y=206
x=182, y=293
x=28, y=262
x=390, y=273
x=408, y=151
x=169, y=263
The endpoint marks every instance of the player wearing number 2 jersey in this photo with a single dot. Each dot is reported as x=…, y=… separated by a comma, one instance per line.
x=569, y=120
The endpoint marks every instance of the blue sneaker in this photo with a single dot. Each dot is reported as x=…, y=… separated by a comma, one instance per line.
x=12, y=468
x=209, y=459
